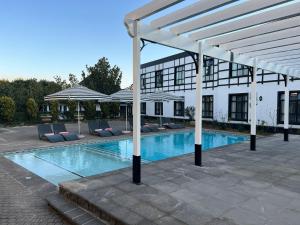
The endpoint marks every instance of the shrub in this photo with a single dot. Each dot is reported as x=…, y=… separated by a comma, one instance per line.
x=190, y=112
x=90, y=110
x=72, y=109
x=32, y=109
x=54, y=110
x=7, y=108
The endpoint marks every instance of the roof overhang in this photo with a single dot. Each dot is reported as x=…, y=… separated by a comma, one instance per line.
x=235, y=31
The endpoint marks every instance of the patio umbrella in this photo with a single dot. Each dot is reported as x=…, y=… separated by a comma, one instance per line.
x=162, y=97
x=77, y=93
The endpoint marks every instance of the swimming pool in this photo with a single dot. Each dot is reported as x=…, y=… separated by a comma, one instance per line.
x=63, y=163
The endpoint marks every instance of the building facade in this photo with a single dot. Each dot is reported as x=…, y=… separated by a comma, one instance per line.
x=226, y=91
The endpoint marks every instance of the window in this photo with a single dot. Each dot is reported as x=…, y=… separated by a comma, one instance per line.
x=207, y=106
x=208, y=69
x=238, y=70
x=179, y=75
x=294, y=108
x=143, y=108
x=178, y=108
x=143, y=81
x=238, y=107
x=159, y=109
x=158, y=78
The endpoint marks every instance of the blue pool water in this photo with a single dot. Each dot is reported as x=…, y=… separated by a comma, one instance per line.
x=58, y=164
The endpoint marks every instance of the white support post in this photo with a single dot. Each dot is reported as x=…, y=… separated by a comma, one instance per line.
x=136, y=160
x=198, y=109
x=286, y=109
x=253, y=107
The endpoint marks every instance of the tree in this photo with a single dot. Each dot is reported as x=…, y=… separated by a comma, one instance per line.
x=32, y=109
x=72, y=108
x=7, y=108
x=54, y=110
x=73, y=80
x=90, y=110
x=102, y=77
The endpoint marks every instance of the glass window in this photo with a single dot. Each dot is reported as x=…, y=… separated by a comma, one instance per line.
x=159, y=109
x=143, y=108
x=208, y=69
x=238, y=107
x=238, y=70
x=294, y=108
x=158, y=78
x=178, y=108
x=143, y=81
x=179, y=75
x=207, y=106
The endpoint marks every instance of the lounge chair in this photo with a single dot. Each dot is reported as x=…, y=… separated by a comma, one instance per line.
x=144, y=128
x=94, y=129
x=105, y=126
x=60, y=128
x=45, y=132
x=168, y=124
x=151, y=127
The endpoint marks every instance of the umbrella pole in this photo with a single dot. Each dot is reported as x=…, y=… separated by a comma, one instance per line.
x=160, y=115
x=126, y=118
x=78, y=119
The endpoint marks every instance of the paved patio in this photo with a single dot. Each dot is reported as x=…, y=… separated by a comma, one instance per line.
x=235, y=186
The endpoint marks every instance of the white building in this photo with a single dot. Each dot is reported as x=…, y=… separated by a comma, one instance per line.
x=225, y=98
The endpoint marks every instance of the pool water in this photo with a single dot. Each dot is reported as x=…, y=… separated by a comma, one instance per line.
x=58, y=164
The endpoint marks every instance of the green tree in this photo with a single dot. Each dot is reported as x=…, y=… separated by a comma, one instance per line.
x=90, y=110
x=102, y=77
x=54, y=110
x=7, y=108
x=32, y=109
x=72, y=109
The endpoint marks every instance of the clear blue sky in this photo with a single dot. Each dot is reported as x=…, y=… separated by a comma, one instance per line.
x=43, y=38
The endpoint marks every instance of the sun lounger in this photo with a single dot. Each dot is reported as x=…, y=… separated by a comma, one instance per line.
x=94, y=129
x=105, y=126
x=168, y=124
x=60, y=128
x=45, y=132
x=144, y=128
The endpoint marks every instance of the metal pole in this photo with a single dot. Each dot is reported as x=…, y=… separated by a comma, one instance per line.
x=78, y=119
x=286, y=109
x=136, y=162
x=198, y=109
x=253, y=108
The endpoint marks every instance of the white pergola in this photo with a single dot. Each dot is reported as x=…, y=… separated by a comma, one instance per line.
x=259, y=34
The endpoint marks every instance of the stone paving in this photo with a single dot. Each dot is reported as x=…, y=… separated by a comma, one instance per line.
x=22, y=205
x=235, y=187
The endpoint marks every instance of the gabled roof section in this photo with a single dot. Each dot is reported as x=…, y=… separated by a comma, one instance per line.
x=241, y=31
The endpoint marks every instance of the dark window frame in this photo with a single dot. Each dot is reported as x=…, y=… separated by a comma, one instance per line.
x=143, y=108
x=182, y=79
x=236, y=68
x=143, y=81
x=209, y=68
x=179, y=112
x=241, y=118
x=159, y=79
x=159, y=108
x=208, y=106
x=292, y=102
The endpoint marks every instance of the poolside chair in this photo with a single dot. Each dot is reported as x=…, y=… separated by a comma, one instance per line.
x=151, y=127
x=144, y=128
x=168, y=124
x=45, y=132
x=94, y=129
x=105, y=126
x=60, y=128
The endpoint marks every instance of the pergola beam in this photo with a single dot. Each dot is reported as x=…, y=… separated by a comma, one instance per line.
x=239, y=9
x=260, y=39
x=188, y=12
x=278, y=55
x=274, y=50
x=248, y=21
